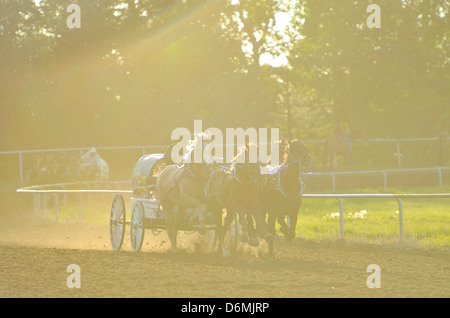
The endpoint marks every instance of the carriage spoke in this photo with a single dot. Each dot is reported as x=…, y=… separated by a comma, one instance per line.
x=137, y=228
x=117, y=222
x=133, y=237
x=137, y=234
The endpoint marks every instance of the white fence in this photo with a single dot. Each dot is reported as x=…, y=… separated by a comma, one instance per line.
x=397, y=197
x=384, y=173
x=20, y=153
x=143, y=149
x=62, y=189
x=37, y=190
x=396, y=141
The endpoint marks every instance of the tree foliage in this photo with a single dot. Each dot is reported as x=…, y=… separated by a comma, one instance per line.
x=137, y=69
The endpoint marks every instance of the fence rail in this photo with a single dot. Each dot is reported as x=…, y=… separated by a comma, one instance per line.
x=61, y=188
x=384, y=173
x=397, y=197
x=144, y=149
x=339, y=196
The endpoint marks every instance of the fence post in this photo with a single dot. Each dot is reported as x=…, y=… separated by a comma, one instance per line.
x=21, y=167
x=80, y=211
x=384, y=179
x=400, y=216
x=399, y=156
x=333, y=181
x=341, y=217
x=56, y=207
x=439, y=176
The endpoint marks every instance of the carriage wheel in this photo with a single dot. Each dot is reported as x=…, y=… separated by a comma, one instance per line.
x=137, y=229
x=117, y=221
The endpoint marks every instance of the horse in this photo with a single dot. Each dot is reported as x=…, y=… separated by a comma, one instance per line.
x=180, y=188
x=335, y=146
x=281, y=194
x=93, y=168
x=102, y=173
x=236, y=190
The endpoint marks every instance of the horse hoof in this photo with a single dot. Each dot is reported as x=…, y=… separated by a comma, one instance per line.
x=201, y=230
x=268, y=238
x=289, y=238
x=225, y=253
x=253, y=242
x=176, y=250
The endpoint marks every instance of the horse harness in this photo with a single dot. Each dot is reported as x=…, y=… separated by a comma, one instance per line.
x=276, y=180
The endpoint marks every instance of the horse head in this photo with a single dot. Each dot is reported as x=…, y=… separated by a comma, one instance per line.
x=296, y=150
x=246, y=166
x=200, y=168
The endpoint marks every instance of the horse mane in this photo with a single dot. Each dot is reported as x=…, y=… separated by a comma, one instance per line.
x=284, y=146
x=241, y=152
x=198, y=136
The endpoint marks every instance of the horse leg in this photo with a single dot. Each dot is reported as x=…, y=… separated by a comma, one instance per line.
x=271, y=223
x=199, y=211
x=348, y=159
x=261, y=223
x=244, y=231
x=217, y=214
x=325, y=153
x=288, y=230
x=292, y=225
x=251, y=230
x=281, y=219
x=170, y=213
x=334, y=161
x=271, y=219
x=223, y=230
x=284, y=228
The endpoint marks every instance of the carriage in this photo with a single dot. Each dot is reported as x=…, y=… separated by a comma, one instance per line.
x=146, y=211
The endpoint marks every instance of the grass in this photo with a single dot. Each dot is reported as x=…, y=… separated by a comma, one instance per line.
x=426, y=222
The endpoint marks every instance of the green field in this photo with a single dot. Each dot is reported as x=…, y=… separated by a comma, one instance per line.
x=426, y=222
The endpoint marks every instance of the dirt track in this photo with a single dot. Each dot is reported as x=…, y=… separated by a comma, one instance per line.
x=35, y=253
x=34, y=257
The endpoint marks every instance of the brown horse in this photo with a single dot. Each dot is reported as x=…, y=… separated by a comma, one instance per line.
x=281, y=195
x=182, y=188
x=335, y=146
x=237, y=190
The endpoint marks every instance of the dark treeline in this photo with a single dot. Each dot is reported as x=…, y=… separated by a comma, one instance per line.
x=136, y=70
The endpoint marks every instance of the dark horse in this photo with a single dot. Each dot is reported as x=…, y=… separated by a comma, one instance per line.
x=281, y=194
x=237, y=190
x=335, y=146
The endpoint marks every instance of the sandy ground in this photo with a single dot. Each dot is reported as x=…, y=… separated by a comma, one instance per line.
x=35, y=254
